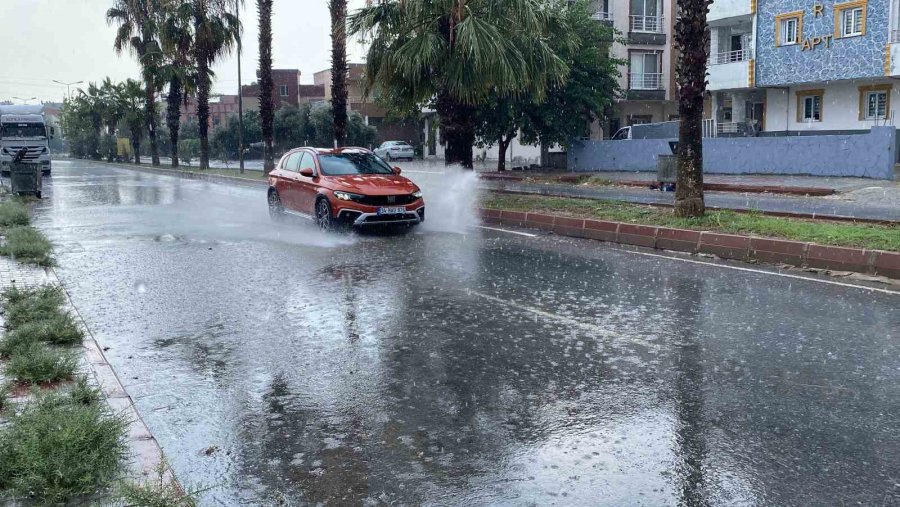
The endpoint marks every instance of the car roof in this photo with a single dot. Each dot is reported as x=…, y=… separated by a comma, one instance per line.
x=332, y=151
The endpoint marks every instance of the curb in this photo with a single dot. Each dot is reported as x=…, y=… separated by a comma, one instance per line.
x=713, y=187
x=215, y=178
x=727, y=246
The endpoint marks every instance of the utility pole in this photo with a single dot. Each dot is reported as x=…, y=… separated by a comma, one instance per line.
x=237, y=14
x=67, y=85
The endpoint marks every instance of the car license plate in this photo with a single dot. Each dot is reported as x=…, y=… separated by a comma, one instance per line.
x=391, y=210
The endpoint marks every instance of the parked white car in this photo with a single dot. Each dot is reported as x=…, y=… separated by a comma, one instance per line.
x=393, y=150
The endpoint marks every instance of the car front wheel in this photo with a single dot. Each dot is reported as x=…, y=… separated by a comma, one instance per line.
x=276, y=209
x=324, y=219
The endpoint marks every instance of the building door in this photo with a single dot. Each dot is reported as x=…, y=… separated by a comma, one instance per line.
x=756, y=114
x=737, y=45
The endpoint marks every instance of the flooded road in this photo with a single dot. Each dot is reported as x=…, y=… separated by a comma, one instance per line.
x=461, y=366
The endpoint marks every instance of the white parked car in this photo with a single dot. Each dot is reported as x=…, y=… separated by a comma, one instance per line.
x=393, y=150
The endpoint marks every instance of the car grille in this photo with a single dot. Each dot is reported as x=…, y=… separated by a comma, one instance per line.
x=386, y=200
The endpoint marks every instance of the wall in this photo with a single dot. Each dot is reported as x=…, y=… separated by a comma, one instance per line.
x=728, y=76
x=840, y=107
x=847, y=58
x=721, y=9
x=870, y=156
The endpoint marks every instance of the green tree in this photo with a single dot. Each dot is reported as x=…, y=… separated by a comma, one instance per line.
x=266, y=85
x=321, y=123
x=138, y=31
x=358, y=133
x=692, y=49
x=291, y=127
x=130, y=97
x=338, y=10
x=567, y=109
x=215, y=33
x=178, y=68
x=454, y=54
x=82, y=122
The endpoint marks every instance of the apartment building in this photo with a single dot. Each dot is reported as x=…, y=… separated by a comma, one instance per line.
x=803, y=67
x=647, y=26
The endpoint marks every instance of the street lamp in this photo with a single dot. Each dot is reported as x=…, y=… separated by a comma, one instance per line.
x=67, y=85
x=24, y=101
x=237, y=15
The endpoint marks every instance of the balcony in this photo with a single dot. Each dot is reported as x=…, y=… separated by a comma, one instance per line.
x=731, y=70
x=741, y=55
x=893, y=69
x=646, y=86
x=602, y=15
x=895, y=36
x=646, y=24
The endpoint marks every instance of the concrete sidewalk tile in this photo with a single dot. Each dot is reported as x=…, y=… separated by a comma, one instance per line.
x=778, y=251
x=638, y=235
x=726, y=246
x=679, y=240
x=837, y=258
x=887, y=264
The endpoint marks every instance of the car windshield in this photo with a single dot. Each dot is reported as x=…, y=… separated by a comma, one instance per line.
x=342, y=164
x=22, y=130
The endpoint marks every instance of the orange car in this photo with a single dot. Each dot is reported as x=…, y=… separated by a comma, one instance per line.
x=342, y=186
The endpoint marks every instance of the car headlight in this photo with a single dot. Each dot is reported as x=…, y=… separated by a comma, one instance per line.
x=417, y=194
x=346, y=196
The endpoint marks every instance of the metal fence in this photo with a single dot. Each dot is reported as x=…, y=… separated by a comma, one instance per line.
x=649, y=24
x=741, y=55
x=646, y=81
x=601, y=15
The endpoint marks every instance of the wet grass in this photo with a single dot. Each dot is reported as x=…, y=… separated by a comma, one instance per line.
x=5, y=393
x=220, y=171
x=59, y=329
x=156, y=492
x=37, y=363
x=871, y=236
x=27, y=244
x=13, y=213
x=22, y=306
x=56, y=449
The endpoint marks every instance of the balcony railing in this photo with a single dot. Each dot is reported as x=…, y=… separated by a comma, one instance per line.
x=895, y=36
x=647, y=24
x=741, y=55
x=646, y=81
x=601, y=15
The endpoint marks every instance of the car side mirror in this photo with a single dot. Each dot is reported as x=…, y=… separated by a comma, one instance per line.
x=306, y=171
x=396, y=170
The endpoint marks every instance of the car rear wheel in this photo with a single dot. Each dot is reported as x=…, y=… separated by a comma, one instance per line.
x=276, y=209
x=324, y=218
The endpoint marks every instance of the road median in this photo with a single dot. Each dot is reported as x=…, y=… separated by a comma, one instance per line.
x=870, y=249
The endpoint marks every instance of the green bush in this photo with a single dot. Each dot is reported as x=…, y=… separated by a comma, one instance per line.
x=59, y=329
x=13, y=213
x=30, y=305
x=37, y=363
x=55, y=450
x=27, y=244
x=84, y=393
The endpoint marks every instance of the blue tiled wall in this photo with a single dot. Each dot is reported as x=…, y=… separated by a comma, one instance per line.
x=849, y=58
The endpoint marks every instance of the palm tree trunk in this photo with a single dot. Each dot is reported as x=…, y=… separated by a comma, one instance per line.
x=136, y=148
x=266, y=85
x=202, y=58
x=692, y=44
x=338, y=9
x=173, y=115
x=459, y=130
x=150, y=119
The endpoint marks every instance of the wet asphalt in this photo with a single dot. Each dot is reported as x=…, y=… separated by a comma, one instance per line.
x=278, y=365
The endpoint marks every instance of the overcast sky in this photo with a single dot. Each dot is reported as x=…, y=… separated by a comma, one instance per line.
x=68, y=40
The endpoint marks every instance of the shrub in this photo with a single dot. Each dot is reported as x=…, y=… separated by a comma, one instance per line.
x=27, y=244
x=156, y=492
x=37, y=363
x=30, y=305
x=59, y=329
x=84, y=393
x=55, y=450
x=13, y=213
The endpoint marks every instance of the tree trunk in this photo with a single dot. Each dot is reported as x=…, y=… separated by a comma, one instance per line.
x=266, y=85
x=338, y=9
x=692, y=44
x=136, y=147
x=501, y=152
x=459, y=130
x=173, y=115
x=150, y=122
x=202, y=58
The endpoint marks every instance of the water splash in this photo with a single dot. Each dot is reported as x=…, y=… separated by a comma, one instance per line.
x=451, y=198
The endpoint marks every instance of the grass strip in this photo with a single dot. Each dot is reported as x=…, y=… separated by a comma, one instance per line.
x=54, y=450
x=27, y=244
x=13, y=213
x=870, y=236
x=59, y=329
x=37, y=363
x=156, y=492
x=22, y=306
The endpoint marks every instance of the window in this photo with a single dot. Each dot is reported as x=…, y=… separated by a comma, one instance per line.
x=645, y=16
x=644, y=71
x=850, y=19
x=346, y=163
x=809, y=105
x=293, y=162
x=874, y=102
x=788, y=28
x=307, y=163
x=283, y=89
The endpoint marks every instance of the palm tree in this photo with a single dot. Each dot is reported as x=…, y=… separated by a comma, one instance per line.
x=138, y=31
x=452, y=55
x=338, y=9
x=692, y=45
x=129, y=97
x=215, y=33
x=266, y=108
x=179, y=71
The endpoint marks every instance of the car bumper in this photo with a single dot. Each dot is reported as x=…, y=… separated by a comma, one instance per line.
x=401, y=154
x=363, y=216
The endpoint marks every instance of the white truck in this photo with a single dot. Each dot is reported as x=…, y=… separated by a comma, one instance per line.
x=661, y=130
x=28, y=131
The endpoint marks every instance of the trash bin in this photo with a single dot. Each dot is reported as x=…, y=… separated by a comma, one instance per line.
x=665, y=169
x=25, y=178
